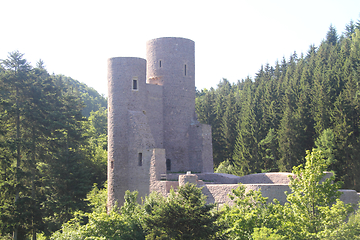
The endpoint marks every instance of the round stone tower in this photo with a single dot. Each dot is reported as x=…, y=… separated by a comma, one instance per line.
x=171, y=63
x=126, y=88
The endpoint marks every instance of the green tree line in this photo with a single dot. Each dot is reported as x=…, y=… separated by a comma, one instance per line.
x=312, y=100
x=50, y=153
x=313, y=211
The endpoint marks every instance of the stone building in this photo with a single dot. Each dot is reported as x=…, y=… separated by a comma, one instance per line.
x=153, y=133
x=152, y=125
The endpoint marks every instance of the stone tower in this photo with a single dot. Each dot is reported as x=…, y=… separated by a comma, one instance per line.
x=122, y=99
x=152, y=126
x=171, y=63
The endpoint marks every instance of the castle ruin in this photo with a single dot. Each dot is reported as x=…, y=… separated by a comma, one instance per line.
x=152, y=123
x=153, y=133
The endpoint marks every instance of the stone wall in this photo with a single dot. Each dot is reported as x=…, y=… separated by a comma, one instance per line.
x=272, y=185
x=171, y=64
x=121, y=72
x=140, y=145
x=200, y=148
x=154, y=112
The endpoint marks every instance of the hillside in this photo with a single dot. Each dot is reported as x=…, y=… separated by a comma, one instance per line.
x=308, y=100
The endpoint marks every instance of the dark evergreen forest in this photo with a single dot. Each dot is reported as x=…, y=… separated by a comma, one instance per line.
x=51, y=155
x=306, y=101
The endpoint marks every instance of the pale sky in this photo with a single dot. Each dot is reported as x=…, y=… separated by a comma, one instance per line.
x=232, y=38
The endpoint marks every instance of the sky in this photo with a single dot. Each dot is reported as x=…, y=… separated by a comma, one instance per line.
x=232, y=38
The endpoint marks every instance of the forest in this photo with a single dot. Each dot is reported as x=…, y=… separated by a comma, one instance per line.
x=300, y=115
x=53, y=148
x=309, y=100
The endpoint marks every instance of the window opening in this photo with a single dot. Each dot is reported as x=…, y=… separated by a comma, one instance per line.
x=140, y=160
x=112, y=164
x=185, y=70
x=168, y=165
x=135, y=84
x=160, y=63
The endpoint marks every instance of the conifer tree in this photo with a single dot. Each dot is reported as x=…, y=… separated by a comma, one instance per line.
x=332, y=36
x=246, y=155
x=44, y=176
x=228, y=128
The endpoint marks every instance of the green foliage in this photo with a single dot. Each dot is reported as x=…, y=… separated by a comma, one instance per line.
x=346, y=230
x=91, y=98
x=313, y=210
x=46, y=166
x=98, y=121
x=250, y=211
x=332, y=36
x=225, y=167
x=182, y=215
x=269, y=149
x=308, y=186
x=97, y=198
x=122, y=224
x=267, y=123
x=97, y=138
x=326, y=144
x=314, y=203
x=265, y=233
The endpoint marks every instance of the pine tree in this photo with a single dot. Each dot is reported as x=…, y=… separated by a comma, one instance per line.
x=205, y=106
x=183, y=215
x=16, y=81
x=228, y=128
x=44, y=175
x=350, y=29
x=246, y=154
x=332, y=36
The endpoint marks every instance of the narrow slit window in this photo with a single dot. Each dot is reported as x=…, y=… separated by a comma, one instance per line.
x=185, y=70
x=140, y=160
x=160, y=63
x=168, y=165
x=135, y=84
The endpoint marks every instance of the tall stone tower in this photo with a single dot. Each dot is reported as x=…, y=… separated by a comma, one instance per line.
x=171, y=63
x=152, y=126
x=122, y=98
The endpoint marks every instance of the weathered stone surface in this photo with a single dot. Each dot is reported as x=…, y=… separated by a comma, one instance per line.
x=152, y=122
x=220, y=192
x=188, y=178
x=349, y=196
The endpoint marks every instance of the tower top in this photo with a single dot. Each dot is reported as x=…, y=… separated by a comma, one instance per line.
x=169, y=38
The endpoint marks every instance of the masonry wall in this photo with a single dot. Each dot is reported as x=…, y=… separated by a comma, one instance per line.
x=152, y=127
x=121, y=98
x=207, y=149
x=140, y=143
x=219, y=193
x=157, y=170
x=154, y=112
x=200, y=148
x=171, y=64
